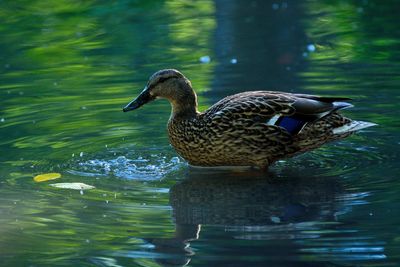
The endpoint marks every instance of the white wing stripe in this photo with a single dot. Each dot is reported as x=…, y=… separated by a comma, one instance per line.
x=273, y=120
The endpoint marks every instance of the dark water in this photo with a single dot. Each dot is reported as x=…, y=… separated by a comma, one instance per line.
x=67, y=68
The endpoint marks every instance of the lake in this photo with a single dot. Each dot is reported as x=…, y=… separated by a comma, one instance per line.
x=67, y=69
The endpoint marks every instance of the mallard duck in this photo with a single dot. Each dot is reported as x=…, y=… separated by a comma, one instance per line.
x=253, y=128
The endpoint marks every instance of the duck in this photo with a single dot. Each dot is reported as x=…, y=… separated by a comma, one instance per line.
x=254, y=128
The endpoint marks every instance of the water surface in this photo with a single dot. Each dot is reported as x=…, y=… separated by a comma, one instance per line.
x=68, y=67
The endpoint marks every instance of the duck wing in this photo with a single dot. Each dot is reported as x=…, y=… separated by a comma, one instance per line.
x=289, y=111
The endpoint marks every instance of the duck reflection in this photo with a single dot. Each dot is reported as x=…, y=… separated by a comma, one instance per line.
x=243, y=198
x=252, y=205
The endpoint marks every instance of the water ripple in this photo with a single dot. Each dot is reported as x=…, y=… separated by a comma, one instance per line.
x=330, y=159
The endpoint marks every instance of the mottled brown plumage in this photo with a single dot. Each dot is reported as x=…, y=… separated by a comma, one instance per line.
x=247, y=129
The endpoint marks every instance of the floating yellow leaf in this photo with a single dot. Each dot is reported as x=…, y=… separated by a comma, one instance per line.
x=74, y=186
x=46, y=177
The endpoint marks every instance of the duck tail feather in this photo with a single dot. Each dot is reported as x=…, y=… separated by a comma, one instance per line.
x=341, y=105
x=353, y=127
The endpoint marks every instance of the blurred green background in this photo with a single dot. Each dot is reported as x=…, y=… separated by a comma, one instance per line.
x=67, y=69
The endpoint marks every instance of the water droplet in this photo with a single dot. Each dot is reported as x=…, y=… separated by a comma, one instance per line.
x=81, y=154
x=2, y=120
x=233, y=61
x=305, y=54
x=106, y=146
x=175, y=160
x=81, y=192
x=73, y=154
x=106, y=201
x=121, y=160
x=275, y=6
x=83, y=107
x=21, y=93
x=275, y=219
x=311, y=48
x=55, y=83
x=205, y=59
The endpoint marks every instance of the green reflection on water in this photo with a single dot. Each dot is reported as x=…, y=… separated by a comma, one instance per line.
x=68, y=67
x=356, y=31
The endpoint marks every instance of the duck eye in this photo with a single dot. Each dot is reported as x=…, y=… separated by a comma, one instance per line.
x=160, y=80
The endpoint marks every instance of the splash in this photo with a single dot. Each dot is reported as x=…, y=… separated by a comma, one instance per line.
x=153, y=167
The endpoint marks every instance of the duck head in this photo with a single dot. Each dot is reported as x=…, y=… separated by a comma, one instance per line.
x=171, y=85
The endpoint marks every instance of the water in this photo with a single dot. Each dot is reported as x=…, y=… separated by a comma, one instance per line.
x=67, y=68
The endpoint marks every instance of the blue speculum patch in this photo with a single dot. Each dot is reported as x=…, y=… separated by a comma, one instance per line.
x=292, y=124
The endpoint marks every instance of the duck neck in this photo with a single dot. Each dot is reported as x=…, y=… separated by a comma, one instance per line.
x=184, y=103
x=184, y=108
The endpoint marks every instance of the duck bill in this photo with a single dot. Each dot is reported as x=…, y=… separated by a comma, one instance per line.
x=139, y=101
